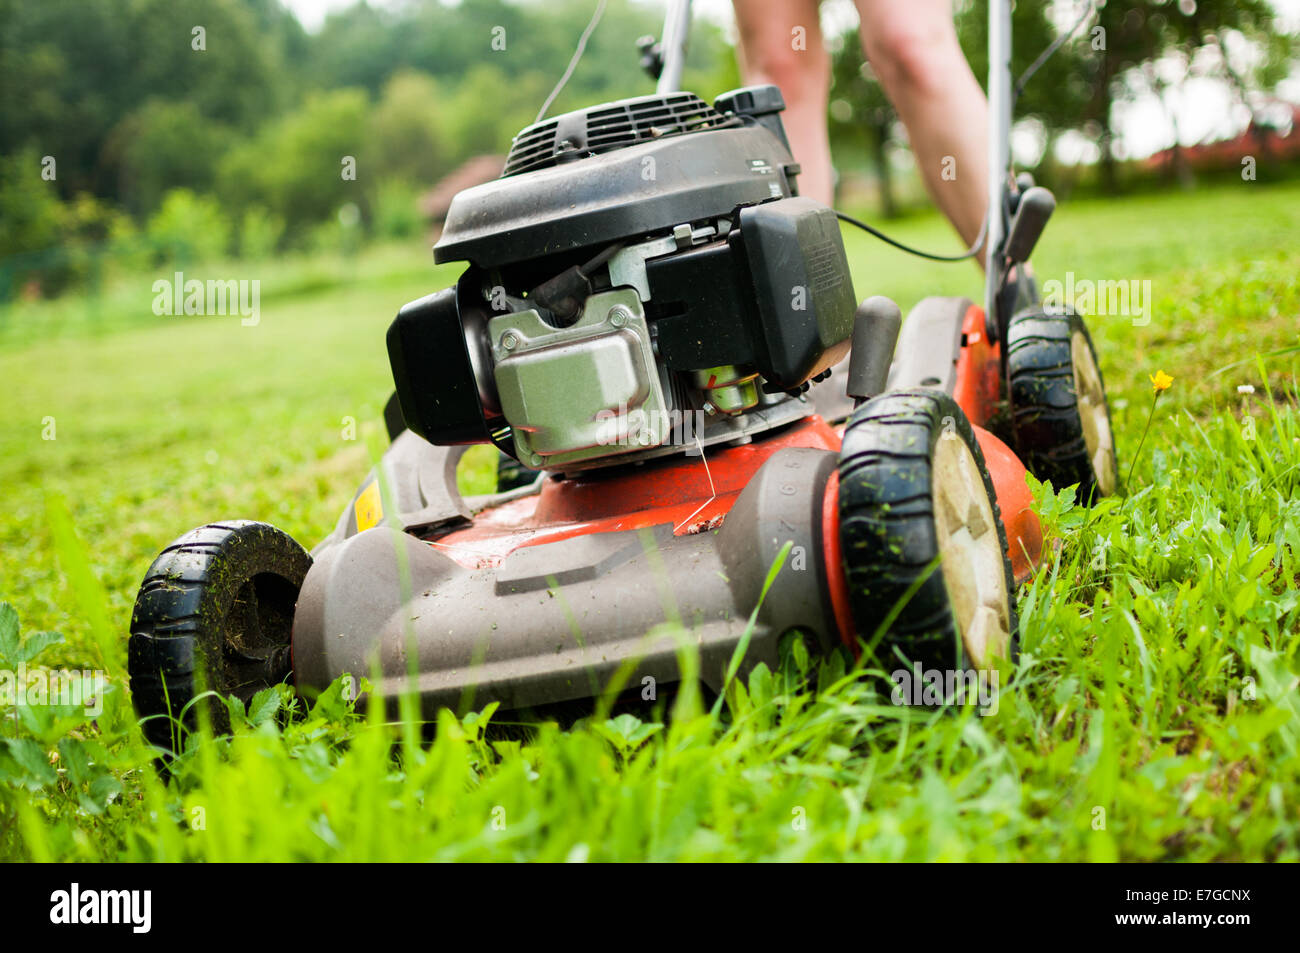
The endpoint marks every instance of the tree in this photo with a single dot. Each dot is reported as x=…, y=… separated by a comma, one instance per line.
x=1134, y=33
x=66, y=66
x=404, y=142
x=862, y=116
x=161, y=146
x=304, y=166
x=75, y=69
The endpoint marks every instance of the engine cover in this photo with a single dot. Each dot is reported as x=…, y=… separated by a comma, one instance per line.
x=584, y=195
x=588, y=390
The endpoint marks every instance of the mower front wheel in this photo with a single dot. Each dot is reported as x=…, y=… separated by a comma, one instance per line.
x=1060, y=418
x=921, y=537
x=214, y=613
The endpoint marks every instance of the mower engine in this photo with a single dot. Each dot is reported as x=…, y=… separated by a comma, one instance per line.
x=642, y=277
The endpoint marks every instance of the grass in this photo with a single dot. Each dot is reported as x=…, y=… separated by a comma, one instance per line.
x=1154, y=714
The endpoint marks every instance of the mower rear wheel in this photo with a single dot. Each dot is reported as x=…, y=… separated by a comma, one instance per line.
x=214, y=613
x=1060, y=419
x=921, y=536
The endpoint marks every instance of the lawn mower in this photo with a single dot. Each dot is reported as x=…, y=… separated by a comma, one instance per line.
x=722, y=444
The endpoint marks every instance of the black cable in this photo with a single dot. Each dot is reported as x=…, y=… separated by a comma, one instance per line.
x=1044, y=56
x=601, y=258
x=573, y=61
x=968, y=253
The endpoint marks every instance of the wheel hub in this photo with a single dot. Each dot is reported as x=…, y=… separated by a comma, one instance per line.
x=1091, y=398
x=970, y=551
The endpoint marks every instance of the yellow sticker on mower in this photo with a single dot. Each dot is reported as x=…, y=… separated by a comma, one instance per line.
x=369, y=508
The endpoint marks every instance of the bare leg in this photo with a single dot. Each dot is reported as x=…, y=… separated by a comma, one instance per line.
x=913, y=50
x=781, y=43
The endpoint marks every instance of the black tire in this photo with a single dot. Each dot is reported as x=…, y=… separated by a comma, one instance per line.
x=888, y=532
x=214, y=613
x=1046, y=422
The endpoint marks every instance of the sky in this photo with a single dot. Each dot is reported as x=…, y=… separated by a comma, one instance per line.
x=1203, y=108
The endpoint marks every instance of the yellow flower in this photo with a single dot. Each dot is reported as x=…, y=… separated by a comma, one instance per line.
x=1160, y=382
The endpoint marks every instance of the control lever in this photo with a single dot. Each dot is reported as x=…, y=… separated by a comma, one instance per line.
x=876, y=323
x=652, y=56
x=1034, y=209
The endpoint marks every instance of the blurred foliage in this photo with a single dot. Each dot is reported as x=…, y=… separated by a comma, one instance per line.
x=259, y=233
x=234, y=100
x=222, y=127
x=1136, y=32
x=405, y=141
x=397, y=214
x=161, y=144
x=30, y=211
x=190, y=227
x=44, y=240
x=296, y=165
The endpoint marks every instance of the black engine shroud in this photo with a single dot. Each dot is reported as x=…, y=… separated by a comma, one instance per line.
x=756, y=278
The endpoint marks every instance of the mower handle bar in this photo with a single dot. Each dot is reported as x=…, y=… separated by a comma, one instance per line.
x=677, y=25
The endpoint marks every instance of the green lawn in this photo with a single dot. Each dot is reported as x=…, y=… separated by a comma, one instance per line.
x=1157, y=691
